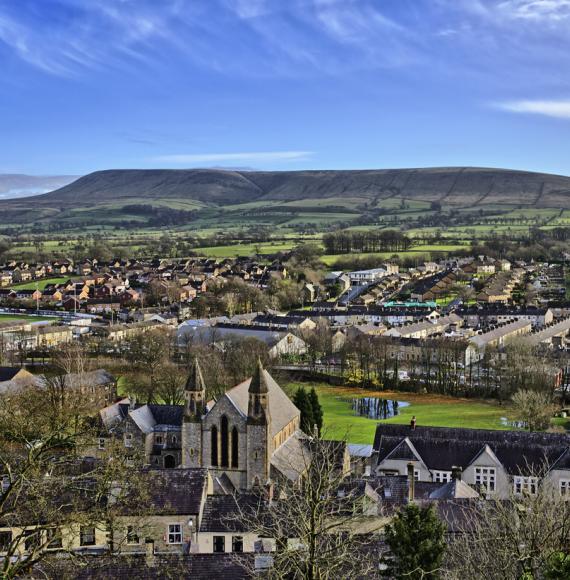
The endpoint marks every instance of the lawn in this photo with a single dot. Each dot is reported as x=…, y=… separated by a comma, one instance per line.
x=433, y=410
x=41, y=284
x=17, y=317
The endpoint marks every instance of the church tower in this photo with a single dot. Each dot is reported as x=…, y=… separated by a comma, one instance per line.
x=194, y=409
x=258, y=429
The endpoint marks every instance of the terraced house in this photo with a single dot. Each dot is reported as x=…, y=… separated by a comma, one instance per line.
x=495, y=463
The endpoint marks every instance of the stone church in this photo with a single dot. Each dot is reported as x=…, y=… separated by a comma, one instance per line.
x=237, y=436
x=246, y=438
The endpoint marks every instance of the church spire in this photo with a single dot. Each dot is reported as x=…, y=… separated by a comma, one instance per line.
x=258, y=384
x=195, y=380
x=194, y=394
x=258, y=404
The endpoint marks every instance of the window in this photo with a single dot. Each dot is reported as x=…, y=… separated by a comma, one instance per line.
x=225, y=439
x=235, y=447
x=486, y=477
x=32, y=540
x=524, y=484
x=417, y=474
x=54, y=539
x=132, y=536
x=219, y=544
x=101, y=445
x=5, y=540
x=214, y=446
x=442, y=476
x=565, y=487
x=87, y=536
x=128, y=439
x=5, y=483
x=158, y=439
x=129, y=461
x=237, y=544
x=174, y=533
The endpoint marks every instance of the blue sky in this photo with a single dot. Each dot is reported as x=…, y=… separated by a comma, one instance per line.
x=283, y=84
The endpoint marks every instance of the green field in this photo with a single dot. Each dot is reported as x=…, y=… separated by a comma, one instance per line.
x=433, y=410
x=22, y=317
x=41, y=284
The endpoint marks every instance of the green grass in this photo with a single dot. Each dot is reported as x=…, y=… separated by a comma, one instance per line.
x=21, y=317
x=432, y=410
x=41, y=284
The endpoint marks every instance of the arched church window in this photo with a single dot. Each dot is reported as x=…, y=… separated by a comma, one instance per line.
x=214, y=446
x=225, y=441
x=235, y=447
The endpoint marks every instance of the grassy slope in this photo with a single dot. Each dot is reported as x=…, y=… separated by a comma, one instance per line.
x=429, y=410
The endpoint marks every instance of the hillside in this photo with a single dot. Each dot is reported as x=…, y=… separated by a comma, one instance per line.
x=204, y=196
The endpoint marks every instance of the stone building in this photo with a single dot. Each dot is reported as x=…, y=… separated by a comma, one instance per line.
x=244, y=439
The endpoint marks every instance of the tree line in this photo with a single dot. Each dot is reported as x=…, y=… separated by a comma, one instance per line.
x=346, y=242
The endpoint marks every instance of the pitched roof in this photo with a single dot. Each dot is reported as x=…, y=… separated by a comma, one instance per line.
x=222, y=512
x=172, y=492
x=442, y=448
x=281, y=409
x=454, y=489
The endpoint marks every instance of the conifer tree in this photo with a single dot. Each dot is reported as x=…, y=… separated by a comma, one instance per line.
x=316, y=409
x=417, y=545
x=303, y=403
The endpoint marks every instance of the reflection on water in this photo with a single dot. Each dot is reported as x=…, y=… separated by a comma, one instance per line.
x=375, y=408
x=516, y=424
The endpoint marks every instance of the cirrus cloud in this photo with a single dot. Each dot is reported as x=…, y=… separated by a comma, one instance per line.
x=557, y=109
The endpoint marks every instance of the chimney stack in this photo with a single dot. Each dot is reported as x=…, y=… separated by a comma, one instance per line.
x=411, y=482
x=150, y=558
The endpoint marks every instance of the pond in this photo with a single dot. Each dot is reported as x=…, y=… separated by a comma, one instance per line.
x=375, y=407
x=514, y=424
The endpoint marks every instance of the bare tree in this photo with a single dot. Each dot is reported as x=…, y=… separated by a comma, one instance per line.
x=534, y=408
x=48, y=490
x=521, y=537
x=318, y=521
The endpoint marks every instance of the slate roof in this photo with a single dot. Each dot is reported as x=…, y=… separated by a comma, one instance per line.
x=222, y=512
x=281, y=409
x=454, y=489
x=172, y=491
x=8, y=373
x=442, y=448
x=163, y=567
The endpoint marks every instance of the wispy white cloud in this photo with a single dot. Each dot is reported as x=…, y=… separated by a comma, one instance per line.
x=536, y=10
x=247, y=157
x=85, y=35
x=556, y=109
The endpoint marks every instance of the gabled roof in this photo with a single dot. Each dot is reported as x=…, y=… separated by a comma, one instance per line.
x=281, y=409
x=454, y=489
x=172, y=491
x=442, y=448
